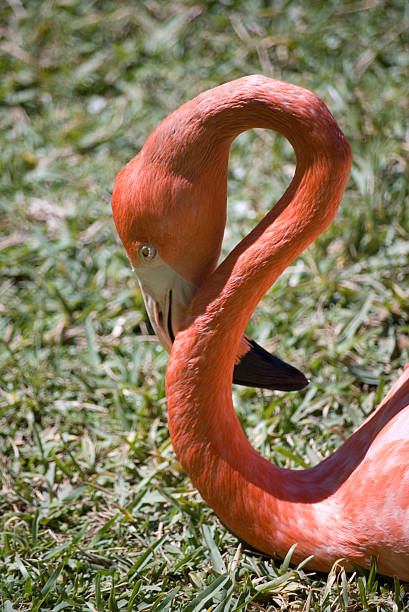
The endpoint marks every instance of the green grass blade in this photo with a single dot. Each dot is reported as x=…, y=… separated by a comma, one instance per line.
x=209, y=592
x=215, y=556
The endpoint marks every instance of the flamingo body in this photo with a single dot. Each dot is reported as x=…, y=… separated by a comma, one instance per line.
x=169, y=207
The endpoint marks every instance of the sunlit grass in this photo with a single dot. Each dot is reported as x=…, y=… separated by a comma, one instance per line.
x=95, y=510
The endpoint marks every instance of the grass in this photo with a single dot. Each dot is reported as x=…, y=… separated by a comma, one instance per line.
x=95, y=511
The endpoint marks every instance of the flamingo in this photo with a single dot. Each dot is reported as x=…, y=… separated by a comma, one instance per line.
x=169, y=207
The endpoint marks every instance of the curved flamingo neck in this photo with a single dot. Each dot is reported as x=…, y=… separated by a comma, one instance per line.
x=239, y=484
x=199, y=135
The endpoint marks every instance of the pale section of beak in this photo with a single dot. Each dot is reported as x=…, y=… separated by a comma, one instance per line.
x=166, y=295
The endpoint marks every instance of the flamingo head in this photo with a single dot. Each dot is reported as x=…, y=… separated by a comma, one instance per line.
x=172, y=228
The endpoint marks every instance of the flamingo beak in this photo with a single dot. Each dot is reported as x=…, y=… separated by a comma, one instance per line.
x=166, y=295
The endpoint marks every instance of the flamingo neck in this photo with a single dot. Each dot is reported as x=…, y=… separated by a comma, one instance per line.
x=241, y=486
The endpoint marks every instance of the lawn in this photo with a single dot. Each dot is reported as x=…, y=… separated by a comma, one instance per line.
x=95, y=510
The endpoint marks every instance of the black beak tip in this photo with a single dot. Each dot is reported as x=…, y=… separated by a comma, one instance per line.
x=296, y=381
x=258, y=368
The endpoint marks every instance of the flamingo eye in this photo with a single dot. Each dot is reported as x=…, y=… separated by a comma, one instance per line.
x=147, y=252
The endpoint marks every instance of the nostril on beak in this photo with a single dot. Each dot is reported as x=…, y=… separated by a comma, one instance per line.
x=170, y=330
